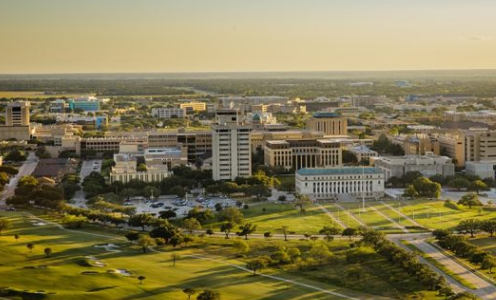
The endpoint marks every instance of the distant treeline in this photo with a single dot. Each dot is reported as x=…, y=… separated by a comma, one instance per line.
x=480, y=86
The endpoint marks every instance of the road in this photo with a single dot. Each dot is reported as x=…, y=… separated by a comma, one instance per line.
x=485, y=290
x=27, y=168
x=95, y=165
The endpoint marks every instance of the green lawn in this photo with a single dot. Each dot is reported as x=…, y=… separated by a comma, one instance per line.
x=486, y=243
x=341, y=215
x=370, y=217
x=61, y=274
x=277, y=215
x=439, y=214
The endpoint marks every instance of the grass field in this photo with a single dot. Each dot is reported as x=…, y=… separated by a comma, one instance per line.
x=439, y=214
x=34, y=94
x=485, y=243
x=60, y=275
x=277, y=215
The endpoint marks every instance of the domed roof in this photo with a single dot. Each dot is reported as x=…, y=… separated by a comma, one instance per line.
x=256, y=117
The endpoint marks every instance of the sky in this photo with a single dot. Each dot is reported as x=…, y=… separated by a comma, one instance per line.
x=120, y=36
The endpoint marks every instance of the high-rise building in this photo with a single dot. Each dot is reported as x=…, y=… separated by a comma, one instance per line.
x=231, y=150
x=328, y=123
x=17, y=114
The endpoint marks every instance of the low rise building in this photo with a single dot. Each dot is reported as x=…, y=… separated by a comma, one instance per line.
x=362, y=152
x=428, y=164
x=88, y=103
x=328, y=123
x=169, y=113
x=193, y=106
x=302, y=153
x=126, y=169
x=481, y=169
x=330, y=183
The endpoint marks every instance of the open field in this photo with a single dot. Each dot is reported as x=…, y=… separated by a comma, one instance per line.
x=34, y=94
x=439, y=214
x=485, y=243
x=74, y=252
x=277, y=215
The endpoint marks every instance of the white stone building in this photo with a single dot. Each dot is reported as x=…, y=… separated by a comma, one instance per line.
x=329, y=183
x=125, y=170
x=168, y=113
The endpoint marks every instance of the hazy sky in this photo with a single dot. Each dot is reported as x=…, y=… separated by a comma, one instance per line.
x=72, y=36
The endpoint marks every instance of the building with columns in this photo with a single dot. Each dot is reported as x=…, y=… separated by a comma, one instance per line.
x=330, y=183
x=302, y=153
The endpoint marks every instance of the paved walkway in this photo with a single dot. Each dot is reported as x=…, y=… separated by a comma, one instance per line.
x=485, y=290
x=397, y=225
x=325, y=210
x=26, y=168
x=401, y=214
x=350, y=214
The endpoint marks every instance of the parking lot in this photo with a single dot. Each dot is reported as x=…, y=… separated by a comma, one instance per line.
x=179, y=206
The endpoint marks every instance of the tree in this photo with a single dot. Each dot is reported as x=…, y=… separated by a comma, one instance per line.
x=355, y=272
x=17, y=237
x=395, y=182
x=350, y=232
x=281, y=198
x=329, y=232
x=5, y=224
x=257, y=264
x=285, y=232
x=218, y=206
x=189, y=291
x=74, y=222
x=141, y=220
x=267, y=234
x=167, y=214
x=231, y=215
x=241, y=246
x=489, y=262
x=410, y=192
x=208, y=295
x=16, y=156
x=459, y=183
x=410, y=177
x=477, y=186
x=470, y=199
x=226, y=228
x=246, y=229
x=321, y=253
x=301, y=201
x=175, y=257
x=128, y=193
x=440, y=234
x=145, y=241
x=48, y=251
x=471, y=226
x=30, y=246
x=150, y=191
x=132, y=236
x=488, y=226
x=191, y=225
x=141, y=278
x=426, y=188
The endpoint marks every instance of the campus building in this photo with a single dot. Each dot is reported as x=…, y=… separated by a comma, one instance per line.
x=193, y=106
x=231, y=152
x=328, y=123
x=88, y=103
x=125, y=170
x=302, y=153
x=168, y=113
x=429, y=165
x=331, y=183
x=17, y=114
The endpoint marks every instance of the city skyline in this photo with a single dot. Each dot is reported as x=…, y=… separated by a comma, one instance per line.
x=111, y=36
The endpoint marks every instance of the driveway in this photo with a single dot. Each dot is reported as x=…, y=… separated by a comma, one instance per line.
x=27, y=168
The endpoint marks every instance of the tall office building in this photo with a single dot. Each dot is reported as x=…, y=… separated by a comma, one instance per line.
x=17, y=114
x=231, y=150
x=329, y=123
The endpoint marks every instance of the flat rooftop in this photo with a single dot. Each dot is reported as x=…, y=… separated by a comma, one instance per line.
x=339, y=171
